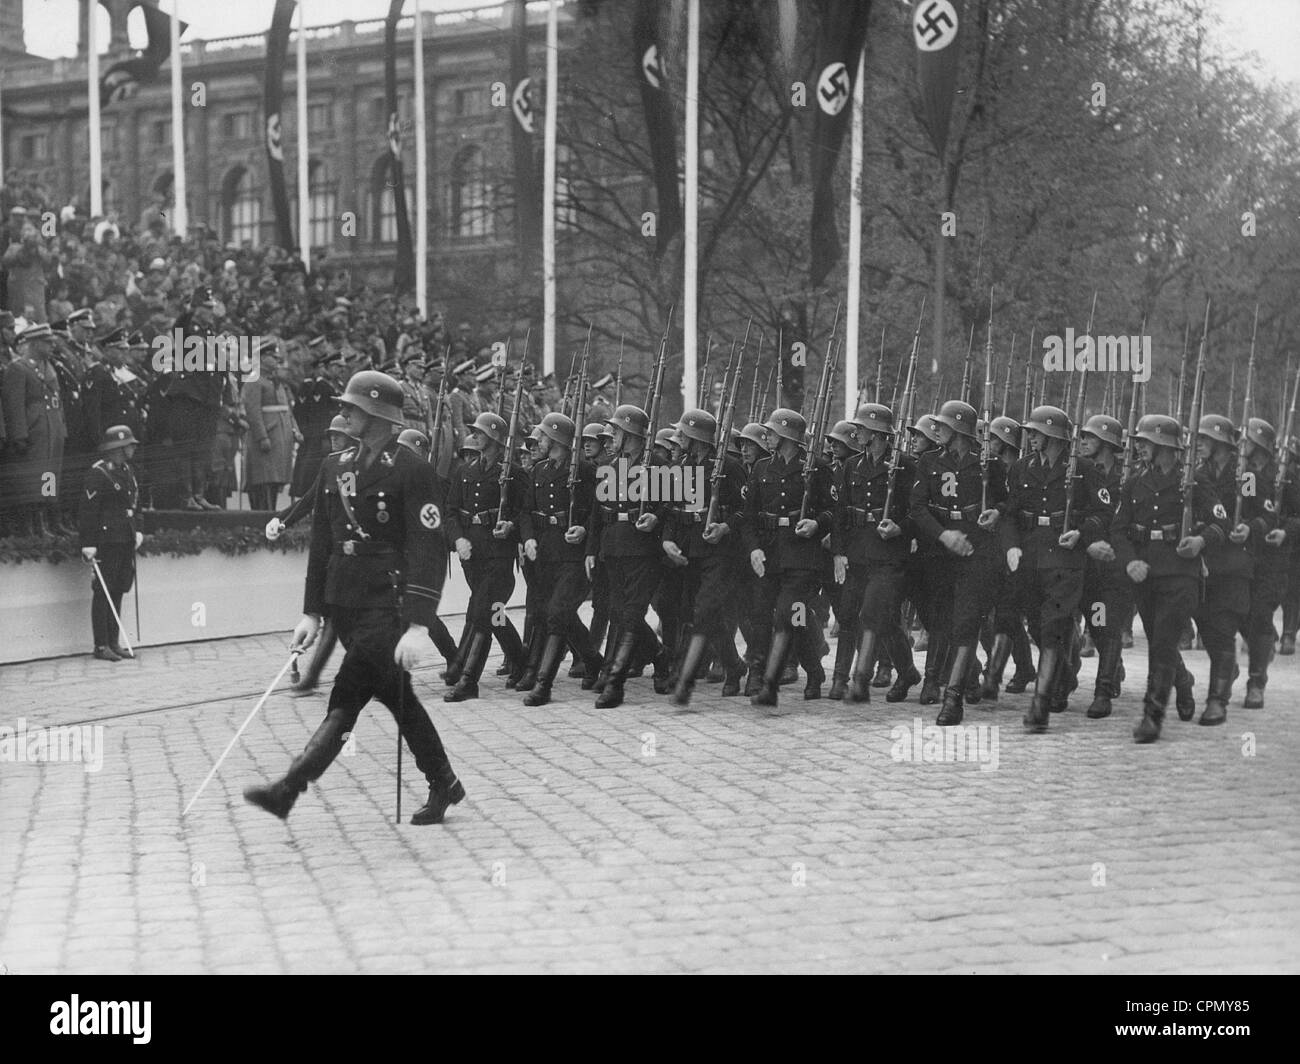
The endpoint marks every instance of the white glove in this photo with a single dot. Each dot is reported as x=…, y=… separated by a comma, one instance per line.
x=590, y=564
x=1014, y=554
x=646, y=523
x=89, y=552
x=841, y=568
x=888, y=529
x=956, y=542
x=806, y=529
x=503, y=529
x=412, y=647
x=1240, y=533
x=530, y=549
x=463, y=549
x=1101, y=551
x=1069, y=540
x=273, y=529
x=304, y=633
x=1190, y=547
x=671, y=549
x=1276, y=538
x=575, y=535
x=988, y=518
x=139, y=538
x=1137, y=571
x=758, y=561
x=713, y=533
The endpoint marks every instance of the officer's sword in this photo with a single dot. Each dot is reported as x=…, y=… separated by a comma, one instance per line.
x=104, y=585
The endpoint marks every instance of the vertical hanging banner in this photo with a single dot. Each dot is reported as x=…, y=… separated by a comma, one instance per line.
x=404, y=268
x=121, y=80
x=658, y=106
x=528, y=188
x=839, y=42
x=277, y=49
x=936, y=25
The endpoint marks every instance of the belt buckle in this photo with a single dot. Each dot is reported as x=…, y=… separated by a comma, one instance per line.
x=783, y=522
x=349, y=546
x=1157, y=534
x=871, y=517
x=956, y=515
x=623, y=515
x=1044, y=521
x=476, y=520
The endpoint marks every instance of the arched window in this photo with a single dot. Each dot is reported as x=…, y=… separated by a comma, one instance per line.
x=383, y=204
x=241, y=208
x=470, y=213
x=323, y=197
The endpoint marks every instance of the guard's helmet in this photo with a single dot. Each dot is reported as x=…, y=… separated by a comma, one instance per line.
x=414, y=440
x=631, y=419
x=1051, y=421
x=493, y=426
x=560, y=429
x=339, y=424
x=846, y=432
x=927, y=426
x=1261, y=433
x=958, y=416
x=1006, y=429
x=1105, y=428
x=698, y=425
x=787, y=424
x=472, y=444
x=115, y=437
x=378, y=394
x=755, y=433
x=593, y=431
x=874, y=417
x=605, y=433
x=668, y=437
x=1160, y=429
x=1219, y=429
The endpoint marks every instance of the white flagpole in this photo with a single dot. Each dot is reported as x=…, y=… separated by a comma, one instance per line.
x=855, y=247
x=180, y=212
x=421, y=175
x=2, y=130
x=304, y=169
x=548, y=187
x=92, y=92
x=690, y=311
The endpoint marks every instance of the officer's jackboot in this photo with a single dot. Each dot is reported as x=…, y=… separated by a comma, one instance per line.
x=936, y=656
x=597, y=682
x=1260, y=648
x=663, y=669
x=1290, y=623
x=513, y=649
x=844, y=650
x=320, y=654
x=612, y=695
x=1184, y=696
x=1220, y=689
x=812, y=645
x=775, y=665
x=998, y=656
x=451, y=675
x=1153, y=706
x=973, y=687
x=860, y=688
x=1108, y=658
x=475, y=658
x=321, y=750
x=690, y=665
x=1023, y=656
x=733, y=668
x=441, y=795
x=548, y=665
x=1049, y=659
x=950, y=712
x=537, y=637
x=442, y=640
x=584, y=650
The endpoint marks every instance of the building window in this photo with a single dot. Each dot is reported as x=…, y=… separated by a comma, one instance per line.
x=322, y=205
x=160, y=132
x=241, y=208
x=383, y=204
x=320, y=117
x=470, y=102
x=32, y=146
x=237, y=126
x=471, y=207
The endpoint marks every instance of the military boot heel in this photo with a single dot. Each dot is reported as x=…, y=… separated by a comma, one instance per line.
x=552, y=655
x=475, y=658
x=1108, y=659
x=860, y=687
x=322, y=748
x=690, y=666
x=612, y=695
x=951, y=712
x=844, y=651
x=1036, y=720
x=997, y=664
x=767, y=692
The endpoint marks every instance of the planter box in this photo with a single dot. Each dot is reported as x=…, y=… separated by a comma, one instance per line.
x=45, y=609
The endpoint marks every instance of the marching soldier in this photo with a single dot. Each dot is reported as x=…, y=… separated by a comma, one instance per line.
x=485, y=537
x=1042, y=497
x=668, y=600
x=871, y=545
x=946, y=508
x=707, y=536
x=106, y=523
x=1291, y=601
x=376, y=569
x=595, y=439
x=784, y=536
x=926, y=574
x=1164, y=567
x=843, y=443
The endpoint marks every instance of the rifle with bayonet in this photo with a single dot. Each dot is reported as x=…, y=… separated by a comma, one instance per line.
x=1130, y=439
x=1284, y=459
x=501, y=381
x=654, y=399
x=507, y=459
x=725, y=420
x=1029, y=378
x=986, y=435
x=1189, y=458
x=823, y=387
x=904, y=417
x=1245, y=422
x=575, y=453
x=1182, y=372
x=435, y=424
x=1006, y=384
x=618, y=377
x=1076, y=434
x=968, y=366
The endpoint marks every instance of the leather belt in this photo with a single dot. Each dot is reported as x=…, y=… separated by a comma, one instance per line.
x=550, y=519
x=281, y=409
x=861, y=517
x=1162, y=534
x=481, y=517
x=363, y=548
x=966, y=513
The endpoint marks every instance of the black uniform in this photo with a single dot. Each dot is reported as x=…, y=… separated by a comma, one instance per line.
x=106, y=521
x=1107, y=594
x=1280, y=510
x=314, y=408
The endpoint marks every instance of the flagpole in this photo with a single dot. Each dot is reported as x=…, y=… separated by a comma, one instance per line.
x=304, y=169
x=690, y=310
x=548, y=186
x=180, y=210
x=92, y=92
x=855, y=245
x=421, y=174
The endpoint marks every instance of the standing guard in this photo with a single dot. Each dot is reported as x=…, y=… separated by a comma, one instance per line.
x=106, y=523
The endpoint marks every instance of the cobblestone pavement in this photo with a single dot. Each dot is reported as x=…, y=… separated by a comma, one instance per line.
x=642, y=838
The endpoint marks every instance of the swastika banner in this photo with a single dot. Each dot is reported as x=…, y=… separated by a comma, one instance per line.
x=936, y=32
x=647, y=44
x=277, y=48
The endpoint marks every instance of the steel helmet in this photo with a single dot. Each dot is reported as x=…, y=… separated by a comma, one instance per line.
x=414, y=440
x=755, y=433
x=493, y=426
x=340, y=425
x=560, y=429
x=787, y=424
x=926, y=425
x=593, y=431
x=698, y=425
x=378, y=394
x=1051, y=421
x=1160, y=429
x=1219, y=429
x=958, y=416
x=733, y=443
x=1261, y=433
x=1105, y=428
x=471, y=443
x=846, y=432
x=631, y=419
x=1006, y=429
x=874, y=417
x=117, y=436
x=668, y=437
x=605, y=433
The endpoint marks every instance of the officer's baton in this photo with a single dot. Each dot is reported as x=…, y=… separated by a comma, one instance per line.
x=135, y=589
x=293, y=656
x=120, y=626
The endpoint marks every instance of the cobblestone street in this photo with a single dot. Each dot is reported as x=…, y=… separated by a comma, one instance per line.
x=642, y=838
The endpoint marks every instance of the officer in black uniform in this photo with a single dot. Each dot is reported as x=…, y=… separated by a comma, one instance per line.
x=925, y=575
x=485, y=536
x=376, y=569
x=106, y=523
x=106, y=398
x=1164, y=566
x=842, y=444
x=314, y=405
